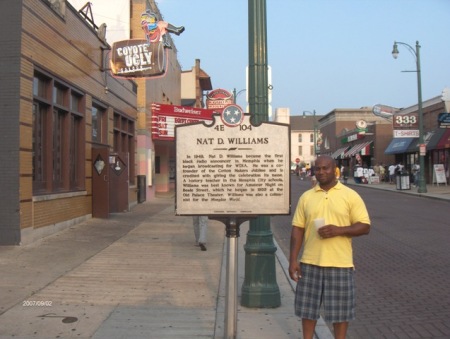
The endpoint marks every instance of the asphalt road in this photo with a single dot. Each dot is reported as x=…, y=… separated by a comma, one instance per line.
x=403, y=265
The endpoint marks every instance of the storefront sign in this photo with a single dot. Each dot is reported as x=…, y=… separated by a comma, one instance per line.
x=406, y=133
x=147, y=57
x=352, y=137
x=137, y=59
x=444, y=120
x=439, y=174
x=384, y=111
x=166, y=117
x=232, y=167
x=218, y=99
x=405, y=121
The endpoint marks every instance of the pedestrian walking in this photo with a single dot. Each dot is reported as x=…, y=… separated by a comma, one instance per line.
x=392, y=170
x=313, y=176
x=325, y=273
x=200, y=231
x=382, y=173
x=416, y=174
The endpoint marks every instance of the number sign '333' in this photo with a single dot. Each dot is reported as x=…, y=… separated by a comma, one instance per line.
x=406, y=121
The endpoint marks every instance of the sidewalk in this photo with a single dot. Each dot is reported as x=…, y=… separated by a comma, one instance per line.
x=441, y=191
x=139, y=275
x=135, y=275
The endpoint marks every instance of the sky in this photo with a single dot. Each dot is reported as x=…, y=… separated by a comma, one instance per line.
x=324, y=54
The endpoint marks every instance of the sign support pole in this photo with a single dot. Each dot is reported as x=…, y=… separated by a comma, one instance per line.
x=232, y=225
x=232, y=234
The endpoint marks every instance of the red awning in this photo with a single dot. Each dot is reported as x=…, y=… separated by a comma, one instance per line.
x=356, y=148
x=444, y=142
x=339, y=153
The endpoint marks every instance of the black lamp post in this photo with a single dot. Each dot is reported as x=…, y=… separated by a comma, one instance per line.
x=416, y=52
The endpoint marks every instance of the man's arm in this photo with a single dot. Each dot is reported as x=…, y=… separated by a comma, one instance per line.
x=297, y=235
x=354, y=230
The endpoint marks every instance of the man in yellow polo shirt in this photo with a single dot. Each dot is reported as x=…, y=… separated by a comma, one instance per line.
x=325, y=273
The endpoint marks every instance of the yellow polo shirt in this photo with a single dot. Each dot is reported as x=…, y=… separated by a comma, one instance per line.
x=340, y=206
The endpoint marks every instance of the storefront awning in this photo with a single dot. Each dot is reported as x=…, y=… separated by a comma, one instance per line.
x=357, y=148
x=430, y=139
x=444, y=142
x=398, y=145
x=339, y=153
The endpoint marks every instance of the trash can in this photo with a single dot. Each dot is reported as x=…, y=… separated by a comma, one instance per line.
x=402, y=181
x=142, y=189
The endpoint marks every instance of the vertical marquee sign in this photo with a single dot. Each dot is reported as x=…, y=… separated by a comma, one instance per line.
x=232, y=167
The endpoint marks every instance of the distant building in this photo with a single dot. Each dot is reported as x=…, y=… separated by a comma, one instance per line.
x=303, y=128
x=356, y=135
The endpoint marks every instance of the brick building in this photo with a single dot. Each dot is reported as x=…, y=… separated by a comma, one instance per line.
x=57, y=105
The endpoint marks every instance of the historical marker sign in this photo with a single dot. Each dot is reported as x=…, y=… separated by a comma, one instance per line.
x=232, y=167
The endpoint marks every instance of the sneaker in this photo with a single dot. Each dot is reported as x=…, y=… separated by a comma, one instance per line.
x=202, y=246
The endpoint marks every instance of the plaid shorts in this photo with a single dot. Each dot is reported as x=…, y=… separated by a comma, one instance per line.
x=332, y=286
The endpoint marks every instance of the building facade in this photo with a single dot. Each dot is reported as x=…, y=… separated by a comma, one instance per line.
x=436, y=134
x=155, y=157
x=58, y=106
x=305, y=132
x=355, y=137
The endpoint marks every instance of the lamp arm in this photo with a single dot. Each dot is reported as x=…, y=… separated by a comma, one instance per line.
x=410, y=48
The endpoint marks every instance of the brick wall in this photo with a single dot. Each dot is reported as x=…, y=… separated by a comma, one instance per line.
x=34, y=36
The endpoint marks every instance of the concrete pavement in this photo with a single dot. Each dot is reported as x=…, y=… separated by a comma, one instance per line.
x=135, y=275
x=139, y=275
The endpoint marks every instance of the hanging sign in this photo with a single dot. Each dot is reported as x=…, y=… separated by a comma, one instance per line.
x=147, y=57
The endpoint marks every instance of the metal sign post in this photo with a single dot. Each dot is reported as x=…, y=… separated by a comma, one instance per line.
x=232, y=225
x=232, y=233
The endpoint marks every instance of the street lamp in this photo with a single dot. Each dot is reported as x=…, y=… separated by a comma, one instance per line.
x=235, y=95
x=422, y=184
x=315, y=131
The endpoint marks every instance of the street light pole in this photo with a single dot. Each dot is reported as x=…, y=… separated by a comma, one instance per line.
x=315, y=131
x=260, y=288
x=422, y=184
x=235, y=95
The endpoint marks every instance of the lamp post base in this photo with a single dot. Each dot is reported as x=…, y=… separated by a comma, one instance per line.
x=260, y=288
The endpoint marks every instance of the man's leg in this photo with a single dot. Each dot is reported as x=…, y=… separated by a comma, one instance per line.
x=203, y=229
x=340, y=330
x=308, y=326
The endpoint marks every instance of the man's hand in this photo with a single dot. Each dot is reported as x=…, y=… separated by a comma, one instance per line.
x=329, y=231
x=294, y=271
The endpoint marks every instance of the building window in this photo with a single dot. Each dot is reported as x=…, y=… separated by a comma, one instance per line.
x=58, y=136
x=59, y=6
x=99, y=124
x=300, y=150
x=299, y=137
x=311, y=150
x=311, y=137
x=124, y=129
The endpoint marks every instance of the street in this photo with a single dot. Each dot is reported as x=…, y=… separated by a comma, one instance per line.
x=402, y=265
